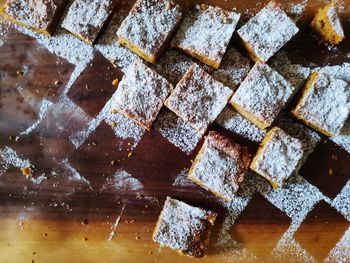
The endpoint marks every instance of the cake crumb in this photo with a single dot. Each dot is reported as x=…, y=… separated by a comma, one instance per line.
x=27, y=172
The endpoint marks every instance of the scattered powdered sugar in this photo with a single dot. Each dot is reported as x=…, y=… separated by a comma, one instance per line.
x=233, y=69
x=341, y=202
x=109, y=46
x=182, y=180
x=44, y=106
x=75, y=175
x=205, y=32
x=176, y=131
x=122, y=181
x=341, y=253
x=198, y=98
x=236, y=123
x=296, y=10
x=124, y=128
x=115, y=225
x=268, y=31
x=9, y=158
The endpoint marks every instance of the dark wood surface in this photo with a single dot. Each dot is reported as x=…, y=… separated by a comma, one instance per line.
x=44, y=222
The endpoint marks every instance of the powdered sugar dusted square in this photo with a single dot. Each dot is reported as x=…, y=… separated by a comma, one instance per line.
x=268, y=31
x=140, y=94
x=262, y=95
x=278, y=156
x=206, y=32
x=41, y=15
x=149, y=26
x=184, y=228
x=85, y=18
x=198, y=99
x=325, y=104
x=220, y=166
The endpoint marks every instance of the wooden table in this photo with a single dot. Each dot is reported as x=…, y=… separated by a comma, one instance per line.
x=62, y=220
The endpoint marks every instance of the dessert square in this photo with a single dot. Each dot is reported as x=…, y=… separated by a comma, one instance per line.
x=220, y=166
x=140, y=94
x=278, y=156
x=327, y=25
x=148, y=27
x=324, y=104
x=262, y=95
x=41, y=16
x=205, y=33
x=268, y=31
x=184, y=228
x=86, y=18
x=198, y=99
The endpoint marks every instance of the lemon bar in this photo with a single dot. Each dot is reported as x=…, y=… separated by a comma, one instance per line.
x=324, y=104
x=148, y=27
x=205, y=33
x=184, y=228
x=278, y=156
x=220, y=166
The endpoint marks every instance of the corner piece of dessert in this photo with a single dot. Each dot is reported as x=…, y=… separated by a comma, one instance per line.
x=205, y=33
x=278, y=157
x=220, y=166
x=86, y=18
x=324, y=104
x=184, y=228
x=41, y=16
x=148, y=27
x=141, y=94
x=265, y=33
x=262, y=95
x=198, y=98
x=326, y=24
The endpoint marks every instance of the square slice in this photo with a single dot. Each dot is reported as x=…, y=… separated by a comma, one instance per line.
x=220, y=166
x=141, y=94
x=86, y=18
x=205, y=33
x=262, y=95
x=148, y=27
x=198, y=98
x=327, y=25
x=184, y=228
x=268, y=31
x=324, y=104
x=278, y=157
x=42, y=16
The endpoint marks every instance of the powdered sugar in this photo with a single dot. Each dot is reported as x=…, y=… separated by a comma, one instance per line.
x=205, y=33
x=177, y=131
x=9, y=158
x=122, y=181
x=198, y=99
x=236, y=123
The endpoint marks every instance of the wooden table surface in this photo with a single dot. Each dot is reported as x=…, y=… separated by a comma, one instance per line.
x=64, y=220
